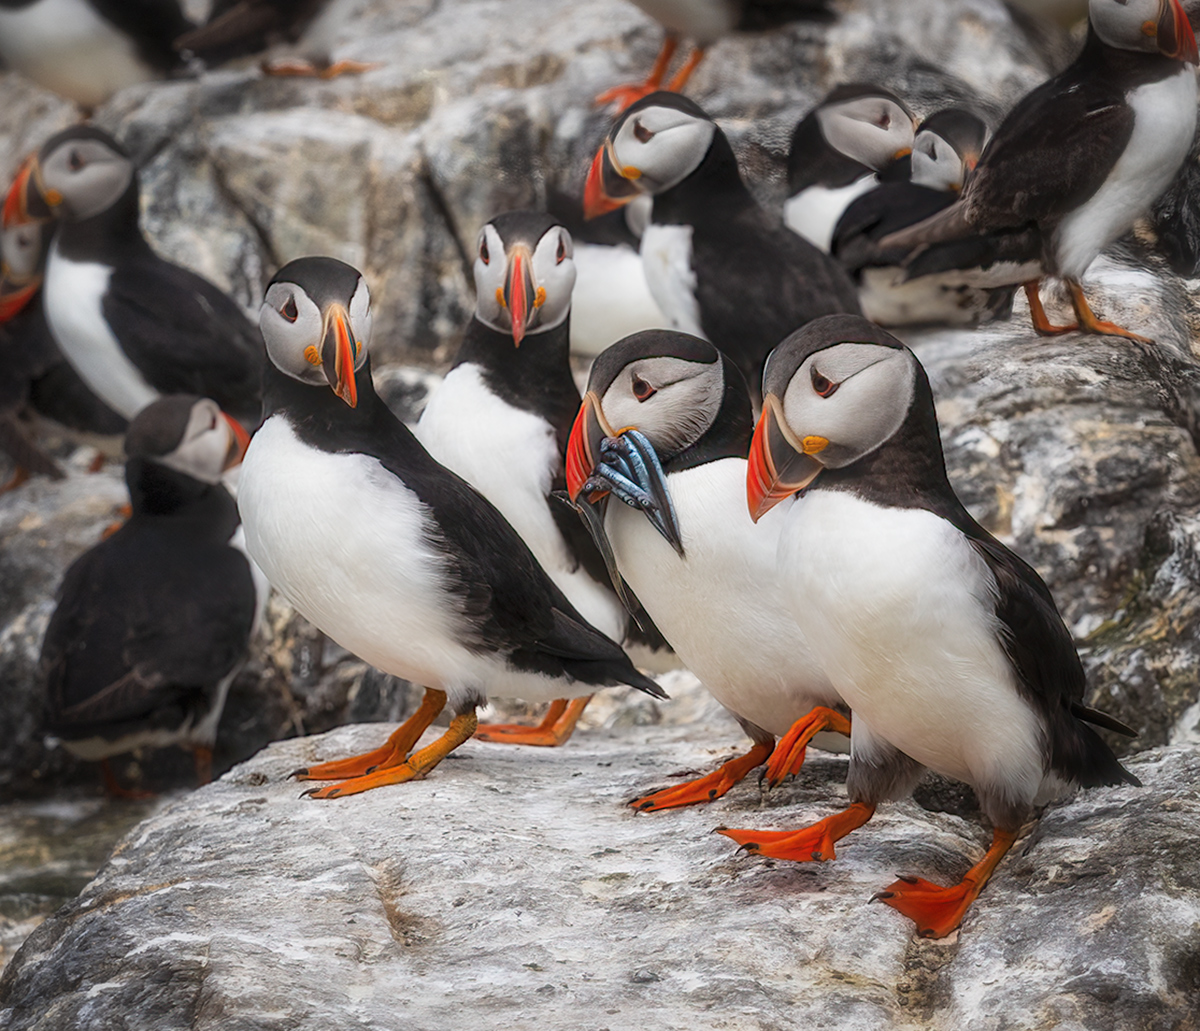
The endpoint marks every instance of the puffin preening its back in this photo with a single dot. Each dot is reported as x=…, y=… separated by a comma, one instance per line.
x=718, y=265
x=153, y=623
x=386, y=551
x=1079, y=159
x=133, y=325
x=932, y=631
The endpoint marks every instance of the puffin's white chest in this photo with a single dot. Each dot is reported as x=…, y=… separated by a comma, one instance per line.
x=899, y=609
x=815, y=212
x=67, y=47
x=511, y=457
x=73, y=296
x=1163, y=128
x=602, y=274
x=667, y=264
x=722, y=606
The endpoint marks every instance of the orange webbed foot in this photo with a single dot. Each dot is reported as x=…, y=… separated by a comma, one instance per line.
x=556, y=727
x=704, y=789
x=309, y=70
x=789, y=754
x=809, y=844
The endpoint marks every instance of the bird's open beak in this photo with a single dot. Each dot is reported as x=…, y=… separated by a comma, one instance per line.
x=779, y=464
x=519, y=295
x=239, y=440
x=14, y=298
x=339, y=352
x=28, y=200
x=608, y=185
x=1173, y=32
x=583, y=446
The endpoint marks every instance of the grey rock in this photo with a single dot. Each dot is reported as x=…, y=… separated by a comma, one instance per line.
x=513, y=888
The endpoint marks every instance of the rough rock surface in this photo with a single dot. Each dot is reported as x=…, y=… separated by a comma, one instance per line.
x=513, y=888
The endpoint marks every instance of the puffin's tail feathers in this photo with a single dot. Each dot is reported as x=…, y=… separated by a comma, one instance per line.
x=1081, y=755
x=948, y=224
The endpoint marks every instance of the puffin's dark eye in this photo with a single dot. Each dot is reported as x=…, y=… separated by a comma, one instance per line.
x=643, y=134
x=641, y=389
x=483, y=251
x=289, y=310
x=562, y=250
x=213, y=425
x=75, y=161
x=822, y=385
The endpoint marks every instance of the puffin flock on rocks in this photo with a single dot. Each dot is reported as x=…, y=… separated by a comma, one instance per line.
x=753, y=479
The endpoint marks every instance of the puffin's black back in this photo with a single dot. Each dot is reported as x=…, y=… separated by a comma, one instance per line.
x=153, y=26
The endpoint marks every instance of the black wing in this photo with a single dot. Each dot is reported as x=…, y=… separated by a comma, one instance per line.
x=152, y=24
x=144, y=624
x=886, y=209
x=1052, y=152
x=237, y=27
x=1048, y=669
x=760, y=15
x=185, y=335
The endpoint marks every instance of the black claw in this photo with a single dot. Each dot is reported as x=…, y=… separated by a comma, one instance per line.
x=371, y=769
x=712, y=793
x=750, y=846
x=334, y=793
x=310, y=791
x=907, y=878
x=302, y=772
x=879, y=896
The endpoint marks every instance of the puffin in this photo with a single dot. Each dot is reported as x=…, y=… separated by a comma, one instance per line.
x=719, y=266
x=386, y=551
x=153, y=623
x=711, y=590
x=939, y=288
x=86, y=50
x=513, y=375
x=704, y=22
x=1083, y=156
x=838, y=152
x=931, y=630
x=133, y=325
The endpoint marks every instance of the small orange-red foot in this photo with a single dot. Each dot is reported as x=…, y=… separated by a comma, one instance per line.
x=704, y=789
x=125, y=512
x=412, y=768
x=624, y=96
x=202, y=758
x=308, y=70
x=936, y=910
x=788, y=756
x=809, y=844
x=556, y=727
x=1041, y=323
x=114, y=789
x=1091, y=324
x=391, y=753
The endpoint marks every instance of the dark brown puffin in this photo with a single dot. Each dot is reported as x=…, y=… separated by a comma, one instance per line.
x=1085, y=154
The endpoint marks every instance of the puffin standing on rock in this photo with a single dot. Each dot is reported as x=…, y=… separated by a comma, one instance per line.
x=153, y=623
x=133, y=325
x=389, y=553
x=718, y=265
x=513, y=375
x=1085, y=154
x=947, y=647
x=701, y=567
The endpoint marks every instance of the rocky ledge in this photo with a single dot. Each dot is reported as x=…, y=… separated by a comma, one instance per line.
x=514, y=888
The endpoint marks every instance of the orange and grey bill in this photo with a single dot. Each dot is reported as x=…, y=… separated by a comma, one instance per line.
x=338, y=353
x=583, y=446
x=1173, y=32
x=779, y=464
x=28, y=200
x=519, y=291
x=238, y=443
x=607, y=188
x=14, y=300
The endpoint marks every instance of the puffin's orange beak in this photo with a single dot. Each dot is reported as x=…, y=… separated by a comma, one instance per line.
x=608, y=187
x=14, y=299
x=1174, y=33
x=583, y=446
x=519, y=295
x=27, y=201
x=339, y=352
x=779, y=465
x=239, y=443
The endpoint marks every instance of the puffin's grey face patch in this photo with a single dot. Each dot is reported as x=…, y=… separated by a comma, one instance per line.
x=671, y=400
x=552, y=269
x=1119, y=22
x=871, y=130
x=853, y=396
x=664, y=145
x=21, y=250
x=206, y=444
x=89, y=175
x=292, y=329
x=936, y=164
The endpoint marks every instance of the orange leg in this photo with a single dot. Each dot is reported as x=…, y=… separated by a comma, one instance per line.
x=114, y=789
x=623, y=96
x=125, y=512
x=1036, y=312
x=555, y=729
x=809, y=843
x=391, y=753
x=413, y=768
x=789, y=753
x=681, y=77
x=202, y=757
x=1089, y=323
x=704, y=789
x=308, y=70
x=936, y=910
